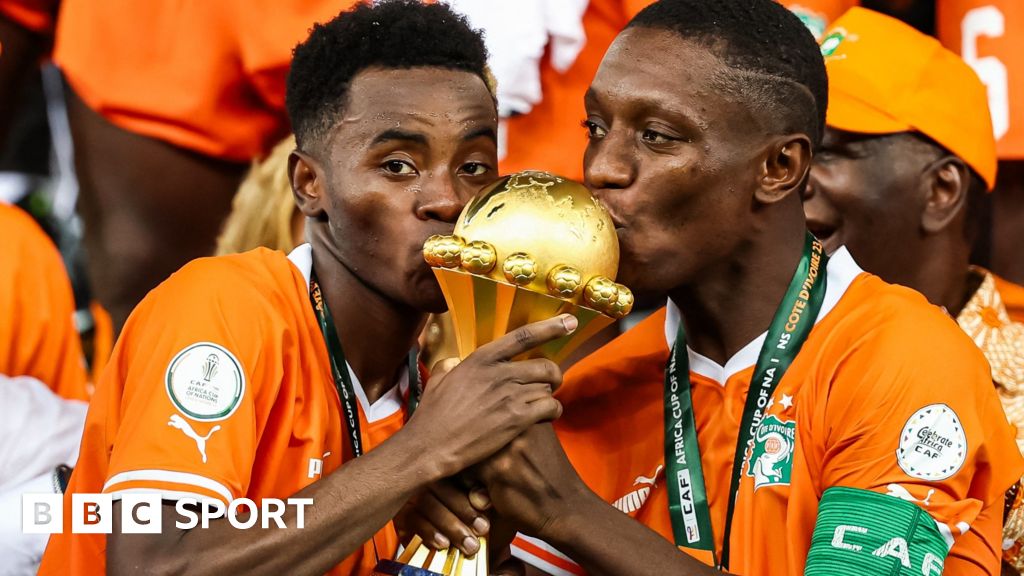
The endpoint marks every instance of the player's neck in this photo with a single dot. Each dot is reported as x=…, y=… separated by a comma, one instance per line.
x=941, y=272
x=730, y=304
x=375, y=331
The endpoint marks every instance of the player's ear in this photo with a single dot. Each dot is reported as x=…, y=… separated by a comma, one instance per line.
x=307, y=181
x=944, y=187
x=787, y=160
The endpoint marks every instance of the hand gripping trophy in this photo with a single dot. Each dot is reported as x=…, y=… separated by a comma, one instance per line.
x=530, y=247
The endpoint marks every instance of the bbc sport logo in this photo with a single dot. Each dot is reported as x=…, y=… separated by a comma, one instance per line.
x=143, y=513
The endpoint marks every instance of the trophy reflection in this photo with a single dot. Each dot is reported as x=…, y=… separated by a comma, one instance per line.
x=531, y=246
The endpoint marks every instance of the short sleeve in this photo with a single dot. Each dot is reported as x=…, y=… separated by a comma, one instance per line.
x=199, y=362
x=912, y=413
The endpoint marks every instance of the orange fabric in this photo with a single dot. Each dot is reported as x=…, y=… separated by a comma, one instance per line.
x=885, y=77
x=256, y=306
x=879, y=356
x=37, y=329
x=35, y=15
x=987, y=34
x=550, y=137
x=1013, y=298
x=102, y=341
x=205, y=76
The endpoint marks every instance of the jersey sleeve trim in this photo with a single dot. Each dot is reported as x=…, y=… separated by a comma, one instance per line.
x=540, y=554
x=174, y=495
x=157, y=480
x=864, y=533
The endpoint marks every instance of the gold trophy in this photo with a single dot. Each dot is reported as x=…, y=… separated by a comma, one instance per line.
x=529, y=247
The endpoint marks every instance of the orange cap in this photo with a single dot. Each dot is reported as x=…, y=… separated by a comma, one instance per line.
x=886, y=77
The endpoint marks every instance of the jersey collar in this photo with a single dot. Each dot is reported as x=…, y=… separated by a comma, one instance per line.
x=841, y=270
x=391, y=402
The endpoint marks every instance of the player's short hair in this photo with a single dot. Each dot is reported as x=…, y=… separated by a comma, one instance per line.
x=776, y=65
x=398, y=34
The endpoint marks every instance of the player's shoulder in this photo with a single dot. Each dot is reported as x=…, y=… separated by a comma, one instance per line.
x=637, y=355
x=255, y=274
x=887, y=341
x=15, y=220
x=874, y=312
x=20, y=233
x=245, y=287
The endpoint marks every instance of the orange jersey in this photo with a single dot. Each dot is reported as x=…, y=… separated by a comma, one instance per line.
x=853, y=398
x=551, y=137
x=266, y=423
x=205, y=76
x=37, y=330
x=985, y=33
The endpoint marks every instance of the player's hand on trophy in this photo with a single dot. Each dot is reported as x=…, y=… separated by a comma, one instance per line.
x=446, y=514
x=531, y=484
x=487, y=400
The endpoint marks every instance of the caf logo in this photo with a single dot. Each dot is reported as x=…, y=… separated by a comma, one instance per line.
x=771, y=459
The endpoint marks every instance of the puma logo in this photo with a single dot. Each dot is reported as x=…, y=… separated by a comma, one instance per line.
x=897, y=491
x=635, y=500
x=180, y=423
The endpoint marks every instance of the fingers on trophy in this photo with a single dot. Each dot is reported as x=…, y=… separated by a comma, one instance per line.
x=529, y=247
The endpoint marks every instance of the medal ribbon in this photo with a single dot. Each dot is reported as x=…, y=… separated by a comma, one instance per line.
x=339, y=369
x=688, y=500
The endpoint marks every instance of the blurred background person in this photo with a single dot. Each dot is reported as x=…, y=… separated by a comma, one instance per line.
x=903, y=171
x=989, y=36
x=263, y=212
x=37, y=331
x=39, y=439
x=43, y=381
x=167, y=103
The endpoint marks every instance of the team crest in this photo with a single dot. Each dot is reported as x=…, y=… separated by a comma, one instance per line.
x=205, y=382
x=771, y=460
x=829, y=44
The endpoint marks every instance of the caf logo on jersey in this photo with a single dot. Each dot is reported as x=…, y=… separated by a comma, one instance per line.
x=933, y=445
x=205, y=382
x=771, y=460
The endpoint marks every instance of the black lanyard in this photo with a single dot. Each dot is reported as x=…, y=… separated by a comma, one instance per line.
x=339, y=369
x=689, y=509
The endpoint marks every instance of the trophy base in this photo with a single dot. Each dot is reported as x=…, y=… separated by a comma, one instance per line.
x=419, y=560
x=392, y=568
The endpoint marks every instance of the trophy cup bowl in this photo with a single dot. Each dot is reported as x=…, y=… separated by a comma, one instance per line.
x=529, y=247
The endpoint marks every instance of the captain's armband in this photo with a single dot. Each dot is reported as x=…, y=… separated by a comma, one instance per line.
x=864, y=533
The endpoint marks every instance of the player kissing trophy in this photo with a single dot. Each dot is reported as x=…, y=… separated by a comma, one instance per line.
x=529, y=247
